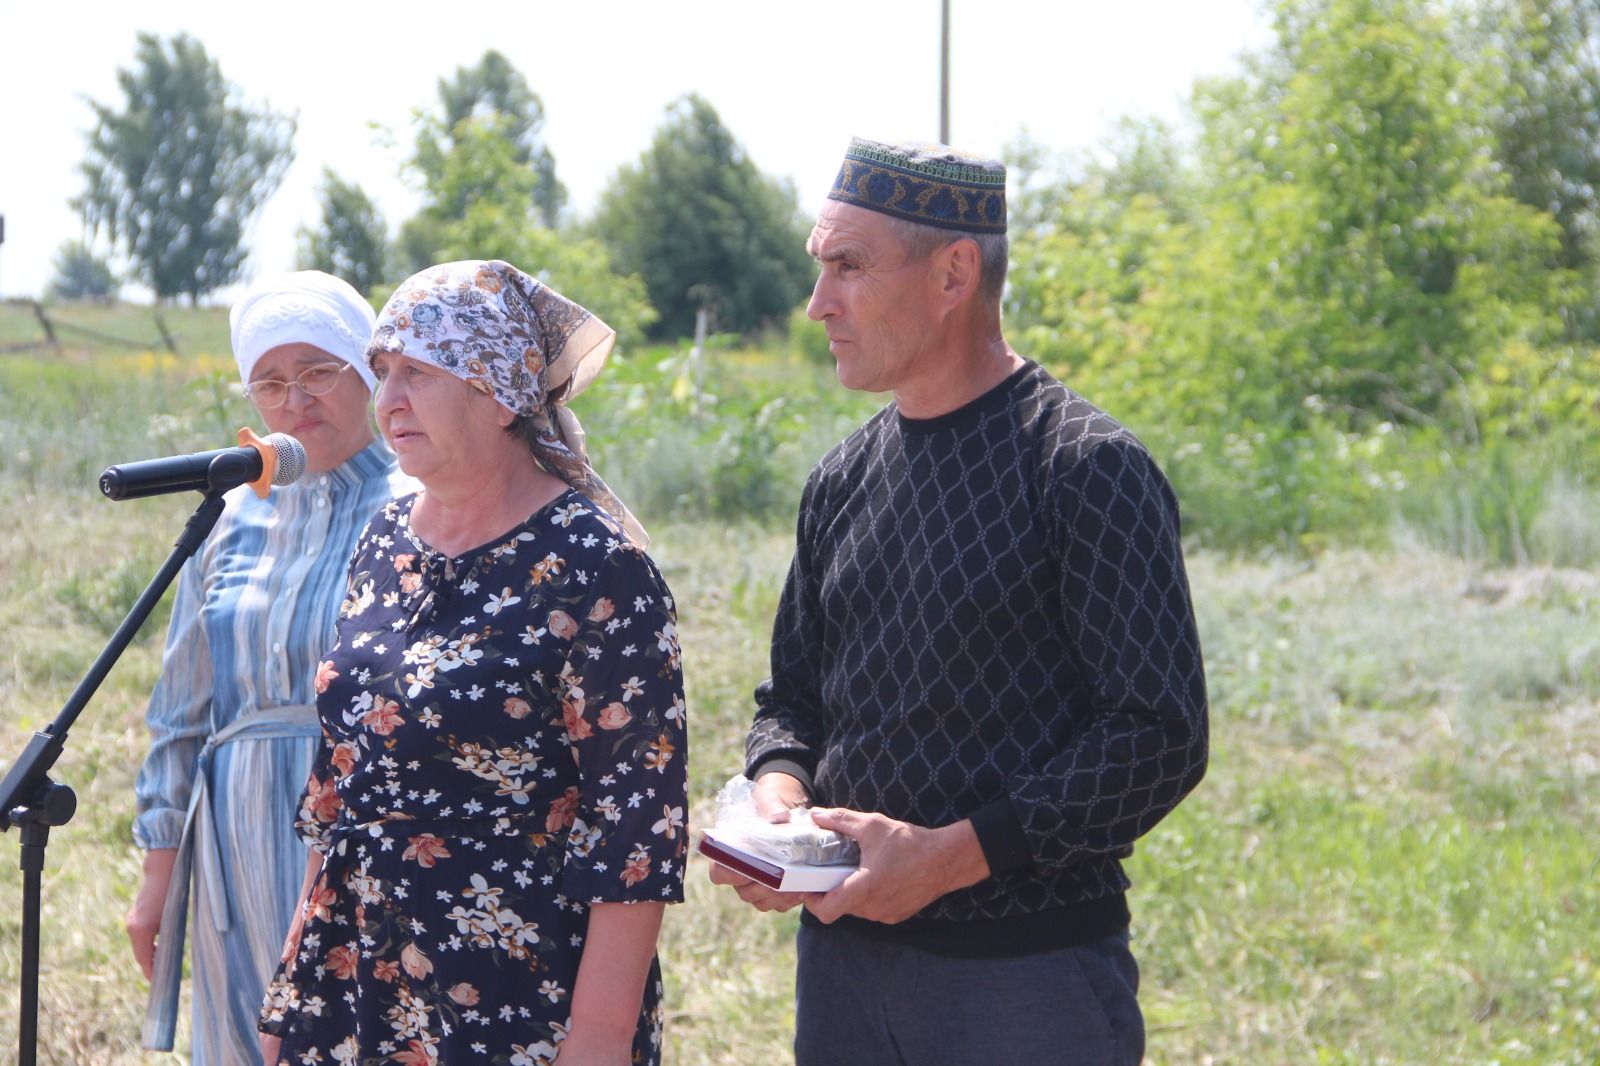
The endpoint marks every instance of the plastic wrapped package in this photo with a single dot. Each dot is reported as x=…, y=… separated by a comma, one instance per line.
x=799, y=840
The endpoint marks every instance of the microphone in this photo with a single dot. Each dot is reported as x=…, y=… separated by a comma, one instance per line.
x=260, y=463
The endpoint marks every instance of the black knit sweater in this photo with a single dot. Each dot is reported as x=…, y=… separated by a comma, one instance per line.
x=987, y=617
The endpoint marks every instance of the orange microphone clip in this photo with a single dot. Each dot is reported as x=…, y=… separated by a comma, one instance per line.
x=269, y=461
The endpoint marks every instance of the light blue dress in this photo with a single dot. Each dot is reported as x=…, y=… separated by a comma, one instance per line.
x=232, y=734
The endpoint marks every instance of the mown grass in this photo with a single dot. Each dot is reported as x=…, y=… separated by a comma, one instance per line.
x=1393, y=858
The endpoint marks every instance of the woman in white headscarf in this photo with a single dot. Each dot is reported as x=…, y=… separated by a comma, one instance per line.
x=232, y=726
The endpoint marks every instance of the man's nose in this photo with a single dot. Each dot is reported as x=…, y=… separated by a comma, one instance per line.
x=820, y=306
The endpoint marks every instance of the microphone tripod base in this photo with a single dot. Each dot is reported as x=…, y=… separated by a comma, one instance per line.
x=54, y=805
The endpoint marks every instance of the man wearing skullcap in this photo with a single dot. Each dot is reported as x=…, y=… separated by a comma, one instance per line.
x=985, y=667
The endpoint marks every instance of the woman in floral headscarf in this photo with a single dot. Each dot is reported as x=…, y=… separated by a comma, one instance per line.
x=498, y=806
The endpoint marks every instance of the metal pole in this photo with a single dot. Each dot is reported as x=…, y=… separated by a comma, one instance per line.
x=28, y=1016
x=944, y=71
x=33, y=803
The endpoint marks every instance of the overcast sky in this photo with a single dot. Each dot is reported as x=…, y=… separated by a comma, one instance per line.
x=793, y=81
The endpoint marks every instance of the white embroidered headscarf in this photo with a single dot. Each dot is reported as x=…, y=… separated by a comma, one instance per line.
x=518, y=340
x=302, y=307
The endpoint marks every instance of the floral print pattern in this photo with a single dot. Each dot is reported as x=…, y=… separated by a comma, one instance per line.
x=486, y=322
x=503, y=745
x=516, y=339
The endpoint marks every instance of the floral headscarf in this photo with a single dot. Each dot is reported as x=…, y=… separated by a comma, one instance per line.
x=516, y=339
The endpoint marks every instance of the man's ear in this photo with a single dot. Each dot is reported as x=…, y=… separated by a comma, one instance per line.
x=959, y=268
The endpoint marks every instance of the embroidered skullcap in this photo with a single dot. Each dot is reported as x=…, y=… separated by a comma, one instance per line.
x=301, y=307
x=513, y=337
x=933, y=184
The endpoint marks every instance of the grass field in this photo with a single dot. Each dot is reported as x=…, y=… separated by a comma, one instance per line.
x=1393, y=859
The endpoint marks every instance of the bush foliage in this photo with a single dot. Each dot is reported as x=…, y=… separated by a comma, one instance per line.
x=1341, y=273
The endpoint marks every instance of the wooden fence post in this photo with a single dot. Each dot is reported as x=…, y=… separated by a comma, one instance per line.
x=166, y=337
x=44, y=320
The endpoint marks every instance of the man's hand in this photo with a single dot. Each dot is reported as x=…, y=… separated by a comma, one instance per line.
x=775, y=795
x=904, y=867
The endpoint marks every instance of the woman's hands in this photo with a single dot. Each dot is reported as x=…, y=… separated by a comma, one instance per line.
x=143, y=921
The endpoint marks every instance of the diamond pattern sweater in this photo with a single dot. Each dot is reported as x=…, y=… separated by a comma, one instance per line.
x=987, y=617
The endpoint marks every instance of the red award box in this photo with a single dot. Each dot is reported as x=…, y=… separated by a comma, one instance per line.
x=778, y=876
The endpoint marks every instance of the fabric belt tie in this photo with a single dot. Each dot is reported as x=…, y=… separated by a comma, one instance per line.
x=199, y=843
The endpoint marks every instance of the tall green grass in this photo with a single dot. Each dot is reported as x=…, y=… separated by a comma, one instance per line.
x=1503, y=501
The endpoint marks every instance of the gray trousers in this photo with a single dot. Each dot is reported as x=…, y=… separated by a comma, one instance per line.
x=860, y=1002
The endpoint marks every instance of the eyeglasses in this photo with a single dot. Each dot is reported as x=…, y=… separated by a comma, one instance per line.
x=313, y=381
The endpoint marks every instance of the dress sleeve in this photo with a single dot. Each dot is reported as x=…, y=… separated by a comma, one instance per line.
x=178, y=717
x=1125, y=601
x=622, y=700
x=789, y=726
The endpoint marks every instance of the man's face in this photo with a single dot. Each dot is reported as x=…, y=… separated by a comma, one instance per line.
x=877, y=305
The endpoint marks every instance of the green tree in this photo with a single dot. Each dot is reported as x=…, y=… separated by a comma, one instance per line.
x=1091, y=248
x=478, y=162
x=420, y=242
x=80, y=274
x=494, y=92
x=175, y=173
x=483, y=173
x=1346, y=248
x=1539, y=85
x=1391, y=237
x=488, y=100
x=351, y=242
x=1545, y=110
x=704, y=227
x=1335, y=255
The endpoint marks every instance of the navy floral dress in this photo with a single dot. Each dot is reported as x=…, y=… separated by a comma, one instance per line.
x=504, y=742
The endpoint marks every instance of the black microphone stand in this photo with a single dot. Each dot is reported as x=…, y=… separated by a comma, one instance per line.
x=35, y=803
